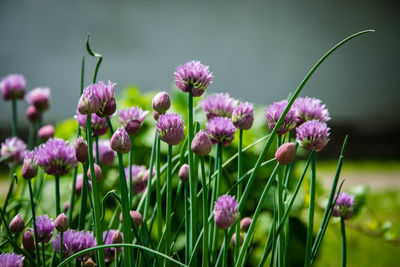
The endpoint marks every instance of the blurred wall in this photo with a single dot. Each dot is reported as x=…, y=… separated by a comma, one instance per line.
x=258, y=50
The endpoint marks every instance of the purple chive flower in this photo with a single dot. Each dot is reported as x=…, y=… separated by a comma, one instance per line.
x=99, y=125
x=106, y=154
x=184, y=173
x=243, y=116
x=89, y=101
x=11, y=260
x=79, y=184
x=313, y=134
x=120, y=141
x=245, y=224
x=29, y=168
x=308, y=109
x=56, y=157
x=226, y=211
x=221, y=130
x=13, y=87
x=45, y=228
x=39, y=98
x=32, y=114
x=201, y=143
x=109, y=253
x=218, y=105
x=161, y=102
x=98, y=173
x=170, y=128
x=194, y=77
x=17, y=224
x=273, y=113
x=344, y=206
x=46, y=132
x=138, y=182
x=132, y=119
x=105, y=94
x=73, y=242
x=13, y=149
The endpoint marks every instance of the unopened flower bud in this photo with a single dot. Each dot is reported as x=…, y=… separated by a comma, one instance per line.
x=66, y=206
x=17, y=224
x=156, y=115
x=46, y=132
x=117, y=237
x=233, y=240
x=29, y=168
x=89, y=102
x=133, y=127
x=81, y=150
x=161, y=102
x=109, y=108
x=201, y=144
x=184, y=173
x=245, y=224
x=32, y=114
x=97, y=171
x=120, y=141
x=61, y=223
x=28, y=242
x=286, y=153
x=136, y=218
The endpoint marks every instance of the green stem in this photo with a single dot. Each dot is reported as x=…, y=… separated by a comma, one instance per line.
x=43, y=255
x=14, y=117
x=310, y=213
x=343, y=228
x=216, y=193
x=226, y=238
x=168, y=205
x=158, y=191
x=239, y=191
x=130, y=174
x=279, y=196
x=72, y=196
x=31, y=137
x=97, y=150
x=205, y=213
x=34, y=223
x=10, y=190
x=58, y=202
x=61, y=246
x=96, y=196
x=185, y=196
x=84, y=194
x=149, y=182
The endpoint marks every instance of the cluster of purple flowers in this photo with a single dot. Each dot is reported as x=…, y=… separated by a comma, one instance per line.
x=75, y=241
x=140, y=176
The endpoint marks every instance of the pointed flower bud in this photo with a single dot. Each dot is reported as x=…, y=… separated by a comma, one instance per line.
x=243, y=116
x=66, y=206
x=98, y=172
x=89, y=102
x=226, y=212
x=313, y=134
x=61, y=223
x=46, y=132
x=39, y=98
x=120, y=141
x=105, y=94
x=117, y=237
x=170, y=128
x=17, y=224
x=344, y=206
x=201, y=143
x=286, y=153
x=194, y=77
x=32, y=114
x=233, y=240
x=27, y=241
x=30, y=167
x=184, y=173
x=136, y=218
x=13, y=87
x=161, y=102
x=245, y=224
x=81, y=150
x=221, y=130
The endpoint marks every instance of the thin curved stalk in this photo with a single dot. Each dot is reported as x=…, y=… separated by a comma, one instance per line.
x=310, y=213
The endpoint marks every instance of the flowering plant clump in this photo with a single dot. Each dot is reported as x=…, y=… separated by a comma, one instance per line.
x=193, y=191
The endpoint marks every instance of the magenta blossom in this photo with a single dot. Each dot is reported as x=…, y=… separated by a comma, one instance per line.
x=218, y=105
x=274, y=112
x=99, y=125
x=308, y=109
x=39, y=98
x=170, y=128
x=13, y=150
x=194, y=77
x=13, y=87
x=226, y=211
x=11, y=260
x=75, y=241
x=221, y=130
x=313, y=135
x=243, y=116
x=132, y=119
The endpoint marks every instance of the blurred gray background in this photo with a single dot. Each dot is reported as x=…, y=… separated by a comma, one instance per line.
x=258, y=51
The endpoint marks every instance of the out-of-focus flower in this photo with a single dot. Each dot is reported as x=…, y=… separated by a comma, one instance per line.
x=194, y=77
x=201, y=144
x=273, y=113
x=109, y=253
x=226, y=211
x=161, y=102
x=132, y=119
x=120, y=141
x=308, y=109
x=170, y=128
x=286, y=153
x=105, y=94
x=39, y=98
x=45, y=228
x=218, y=105
x=97, y=171
x=13, y=150
x=233, y=240
x=32, y=114
x=13, y=86
x=138, y=182
x=81, y=150
x=106, y=154
x=79, y=184
x=17, y=224
x=61, y=223
x=184, y=173
x=66, y=206
x=313, y=134
x=46, y=132
x=221, y=130
x=243, y=116
x=75, y=241
x=89, y=101
x=99, y=125
x=135, y=216
x=11, y=259
x=344, y=206
x=29, y=168
x=245, y=224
